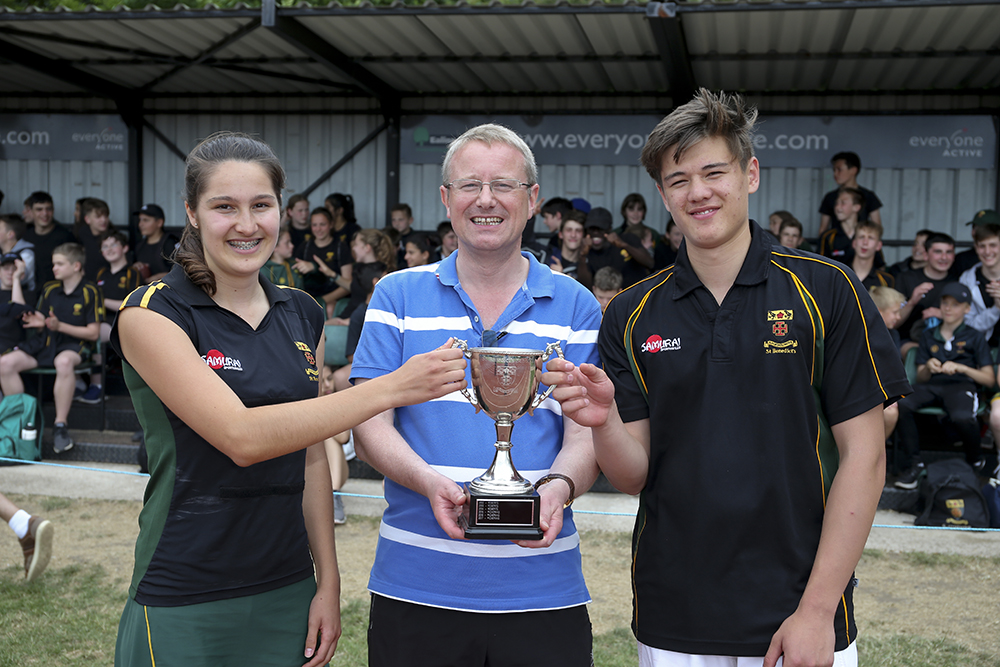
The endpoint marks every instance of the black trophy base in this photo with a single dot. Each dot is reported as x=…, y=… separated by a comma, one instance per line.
x=495, y=517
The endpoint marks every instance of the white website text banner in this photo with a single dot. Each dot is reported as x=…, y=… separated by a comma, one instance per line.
x=94, y=137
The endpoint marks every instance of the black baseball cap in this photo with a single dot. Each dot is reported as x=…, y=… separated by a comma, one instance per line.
x=152, y=210
x=601, y=218
x=957, y=291
x=9, y=258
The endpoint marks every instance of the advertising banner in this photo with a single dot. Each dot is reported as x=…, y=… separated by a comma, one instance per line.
x=90, y=137
x=896, y=142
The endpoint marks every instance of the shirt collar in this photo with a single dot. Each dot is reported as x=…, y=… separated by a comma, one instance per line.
x=755, y=268
x=540, y=281
x=196, y=296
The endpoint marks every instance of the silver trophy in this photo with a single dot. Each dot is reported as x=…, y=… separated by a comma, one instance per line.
x=503, y=504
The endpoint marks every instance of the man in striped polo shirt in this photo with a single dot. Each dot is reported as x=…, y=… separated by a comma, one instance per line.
x=439, y=599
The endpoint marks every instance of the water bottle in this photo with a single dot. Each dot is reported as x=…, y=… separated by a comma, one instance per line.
x=30, y=431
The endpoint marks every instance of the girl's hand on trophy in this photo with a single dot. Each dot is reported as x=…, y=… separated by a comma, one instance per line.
x=448, y=502
x=586, y=393
x=430, y=375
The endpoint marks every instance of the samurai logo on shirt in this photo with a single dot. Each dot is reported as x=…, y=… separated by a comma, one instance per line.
x=218, y=361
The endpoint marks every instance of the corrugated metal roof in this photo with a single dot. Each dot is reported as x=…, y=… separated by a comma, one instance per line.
x=402, y=51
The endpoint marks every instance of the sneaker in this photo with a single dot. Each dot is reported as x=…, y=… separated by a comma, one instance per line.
x=339, y=516
x=61, y=441
x=980, y=466
x=91, y=397
x=910, y=478
x=37, y=547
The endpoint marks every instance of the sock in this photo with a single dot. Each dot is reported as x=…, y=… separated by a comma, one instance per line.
x=19, y=523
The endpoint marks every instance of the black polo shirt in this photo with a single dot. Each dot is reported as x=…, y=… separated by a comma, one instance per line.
x=968, y=348
x=878, y=278
x=44, y=245
x=79, y=308
x=740, y=398
x=906, y=282
x=118, y=285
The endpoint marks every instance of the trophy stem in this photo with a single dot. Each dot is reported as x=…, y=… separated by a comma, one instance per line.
x=502, y=477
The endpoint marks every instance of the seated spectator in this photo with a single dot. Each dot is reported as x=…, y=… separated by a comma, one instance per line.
x=278, y=269
x=774, y=224
x=316, y=259
x=369, y=246
x=625, y=253
x=983, y=281
x=95, y=220
x=918, y=254
x=836, y=243
x=889, y=301
x=951, y=360
x=116, y=281
x=922, y=287
x=370, y=273
x=846, y=167
x=418, y=250
x=68, y=318
x=45, y=234
x=634, y=218
x=14, y=301
x=12, y=229
x=449, y=239
x=790, y=233
x=570, y=257
x=665, y=252
x=297, y=219
x=401, y=220
x=607, y=283
x=966, y=259
x=154, y=253
x=866, y=245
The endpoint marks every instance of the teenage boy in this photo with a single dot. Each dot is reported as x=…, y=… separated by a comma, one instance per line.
x=116, y=281
x=953, y=358
x=918, y=254
x=12, y=229
x=624, y=253
x=95, y=221
x=401, y=220
x=554, y=211
x=13, y=301
x=790, y=233
x=836, y=243
x=765, y=569
x=69, y=321
x=923, y=286
x=983, y=281
x=866, y=245
x=45, y=234
x=966, y=259
x=570, y=257
x=846, y=166
x=153, y=253
x=449, y=240
x=889, y=301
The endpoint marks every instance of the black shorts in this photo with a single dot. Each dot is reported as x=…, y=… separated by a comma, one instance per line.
x=402, y=634
x=45, y=355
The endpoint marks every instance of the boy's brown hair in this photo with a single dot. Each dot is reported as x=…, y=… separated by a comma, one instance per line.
x=856, y=195
x=983, y=232
x=94, y=205
x=74, y=252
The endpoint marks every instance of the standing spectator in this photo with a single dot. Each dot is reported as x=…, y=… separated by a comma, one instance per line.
x=677, y=413
x=437, y=598
x=345, y=226
x=983, y=281
x=33, y=533
x=95, y=220
x=401, y=220
x=12, y=229
x=154, y=252
x=846, y=167
x=633, y=212
x=951, y=360
x=317, y=258
x=966, y=259
x=45, y=235
x=836, y=243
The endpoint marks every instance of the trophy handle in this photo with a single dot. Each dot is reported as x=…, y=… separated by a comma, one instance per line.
x=469, y=396
x=549, y=349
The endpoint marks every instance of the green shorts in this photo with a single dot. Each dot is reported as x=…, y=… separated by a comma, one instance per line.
x=267, y=629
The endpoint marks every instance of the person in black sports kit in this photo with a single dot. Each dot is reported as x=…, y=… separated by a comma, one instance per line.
x=742, y=395
x=223, y=368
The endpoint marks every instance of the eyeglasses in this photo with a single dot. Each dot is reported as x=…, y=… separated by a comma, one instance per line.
x=471, y=187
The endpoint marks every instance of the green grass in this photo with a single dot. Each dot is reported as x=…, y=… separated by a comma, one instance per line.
x=70, y=616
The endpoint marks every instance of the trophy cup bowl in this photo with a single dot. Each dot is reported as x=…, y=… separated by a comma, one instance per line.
x=502, y=504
